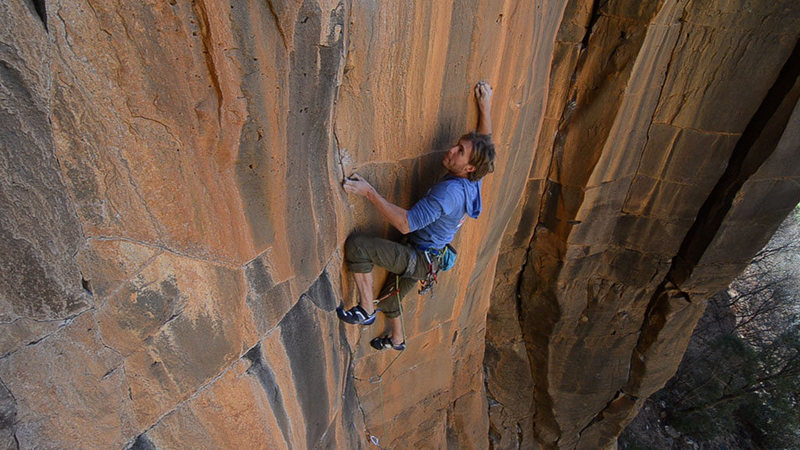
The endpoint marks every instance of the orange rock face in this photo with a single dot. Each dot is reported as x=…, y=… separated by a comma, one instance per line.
x=653, y=156
x=173, y=219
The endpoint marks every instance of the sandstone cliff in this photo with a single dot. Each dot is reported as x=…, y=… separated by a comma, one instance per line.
x=173, y=221
x=668, y=156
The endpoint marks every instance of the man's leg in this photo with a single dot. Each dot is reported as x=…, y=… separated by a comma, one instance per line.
x=399, y=287
x=364, y=284
x=362, y=253
x=396, y=327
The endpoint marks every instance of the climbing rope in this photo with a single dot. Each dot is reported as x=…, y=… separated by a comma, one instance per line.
x=378, y=379
x=434, y=259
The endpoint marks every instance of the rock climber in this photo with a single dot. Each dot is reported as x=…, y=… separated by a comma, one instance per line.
x=428, y=227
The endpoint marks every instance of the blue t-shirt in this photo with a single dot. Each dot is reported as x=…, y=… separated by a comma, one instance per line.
x=435, y=219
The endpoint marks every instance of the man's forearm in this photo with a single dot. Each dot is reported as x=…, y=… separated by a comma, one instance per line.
x=484, y=121
x=395, y=215
x=483, y=96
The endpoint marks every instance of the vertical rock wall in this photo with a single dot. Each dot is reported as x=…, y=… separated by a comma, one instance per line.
x=655, y=179
x=172, y=217
x=412, y=98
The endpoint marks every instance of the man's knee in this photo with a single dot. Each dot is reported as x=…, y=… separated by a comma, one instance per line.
x=353, y=244
x=390, y=308
x=355, y=254
x=391, y=314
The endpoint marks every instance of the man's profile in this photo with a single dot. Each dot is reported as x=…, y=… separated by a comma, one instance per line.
x=428, y=227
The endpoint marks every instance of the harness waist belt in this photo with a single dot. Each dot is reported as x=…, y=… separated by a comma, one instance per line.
x=435, y=251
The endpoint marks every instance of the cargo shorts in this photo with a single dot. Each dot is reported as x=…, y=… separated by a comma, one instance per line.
x=406, y=265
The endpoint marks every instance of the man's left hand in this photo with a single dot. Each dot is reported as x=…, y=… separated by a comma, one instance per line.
x=483, y=95
x=357, y=185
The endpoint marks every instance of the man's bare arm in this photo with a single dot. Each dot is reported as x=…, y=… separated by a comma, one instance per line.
x=483, y=96
x=395, y=215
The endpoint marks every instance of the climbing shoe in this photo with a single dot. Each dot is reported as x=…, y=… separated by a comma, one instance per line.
x=385, y=342
x=355, y=315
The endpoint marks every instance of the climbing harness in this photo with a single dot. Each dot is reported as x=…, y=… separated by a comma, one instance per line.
x=438, y=259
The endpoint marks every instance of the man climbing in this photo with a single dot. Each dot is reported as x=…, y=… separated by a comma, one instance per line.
x=428, y=226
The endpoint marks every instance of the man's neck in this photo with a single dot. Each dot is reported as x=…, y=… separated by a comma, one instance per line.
x=456, y=175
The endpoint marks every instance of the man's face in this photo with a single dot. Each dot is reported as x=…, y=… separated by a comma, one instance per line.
x=456, y=160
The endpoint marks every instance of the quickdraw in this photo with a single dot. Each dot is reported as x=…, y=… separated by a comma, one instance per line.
x=391, y=293
x=426, y=284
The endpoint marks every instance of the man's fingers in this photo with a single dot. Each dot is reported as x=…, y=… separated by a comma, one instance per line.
x=352, y=184
x=350, y=189
x=483, y=90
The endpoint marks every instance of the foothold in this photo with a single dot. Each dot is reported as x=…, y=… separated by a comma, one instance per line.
x=87, y=285
x=41, y=10
x=142, y=443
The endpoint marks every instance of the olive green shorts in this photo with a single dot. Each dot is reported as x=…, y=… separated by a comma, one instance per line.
x=406, y=266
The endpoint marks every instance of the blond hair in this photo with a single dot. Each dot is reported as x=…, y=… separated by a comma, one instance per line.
x=482, y=157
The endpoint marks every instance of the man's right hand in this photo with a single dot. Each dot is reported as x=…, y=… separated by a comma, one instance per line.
x=354, y=184
x=396, y=215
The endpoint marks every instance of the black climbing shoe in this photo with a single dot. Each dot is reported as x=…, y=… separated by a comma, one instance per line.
x=385, y=342
x=355, y=315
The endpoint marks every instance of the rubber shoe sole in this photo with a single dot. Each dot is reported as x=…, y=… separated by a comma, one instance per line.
x=385, y=343
x=355, y=315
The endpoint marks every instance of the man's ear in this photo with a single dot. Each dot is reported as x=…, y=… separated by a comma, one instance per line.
x=470, y=168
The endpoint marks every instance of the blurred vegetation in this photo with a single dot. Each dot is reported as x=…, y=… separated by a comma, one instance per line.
x=738, y=385
x=741, y=374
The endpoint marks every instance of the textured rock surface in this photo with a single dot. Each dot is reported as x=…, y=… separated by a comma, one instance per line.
x=654, y=184
x=195, y=151
x=41, y=282
x=172, y=218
